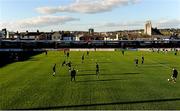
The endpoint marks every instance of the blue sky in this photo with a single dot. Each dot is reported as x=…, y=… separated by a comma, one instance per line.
x=102, y=15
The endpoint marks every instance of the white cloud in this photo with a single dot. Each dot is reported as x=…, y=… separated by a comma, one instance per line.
x=87, y=6
x=124, y=24
x=46, y=23
x=173, y=23
x=130, y=25
x=37, y=22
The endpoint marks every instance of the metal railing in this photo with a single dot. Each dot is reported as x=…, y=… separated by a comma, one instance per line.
x=88, y=44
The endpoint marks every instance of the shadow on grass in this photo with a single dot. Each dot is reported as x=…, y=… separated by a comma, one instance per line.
x=68, y=75
x=163, y=63
x=86, y=70
x=93, y=74
x=104, y=80
x=102, y=104
x=155, y=64
x=152, y=66
x=12, y=57
x=105, y=62
x=119, y=74
x=33, y=59
x=86, y=74
x=91, y=70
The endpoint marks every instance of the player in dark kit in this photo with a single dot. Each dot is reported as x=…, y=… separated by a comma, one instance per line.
x=69, y=65
x=123, y=52
x=176, y=51
x=174, y=76
x=64, y=52
x=142, y=60
x=158, y=50
x=67, y=54
x=73, y=75
x=97, y=70
x=54, y=70
x=64, y=62
x=87, y=53
x=46, y=52
x=82, y=58
x=136, y=61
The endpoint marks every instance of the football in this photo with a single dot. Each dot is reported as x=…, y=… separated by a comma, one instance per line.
x=168, y=79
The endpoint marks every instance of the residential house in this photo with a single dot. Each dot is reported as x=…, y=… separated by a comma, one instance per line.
x=112, y=37
x=91, y=37
x=1, y=34
x=56, y=36
x=68, y=36
x=30, y=35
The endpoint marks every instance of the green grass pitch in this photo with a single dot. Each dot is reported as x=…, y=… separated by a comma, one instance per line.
x=121, y=85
